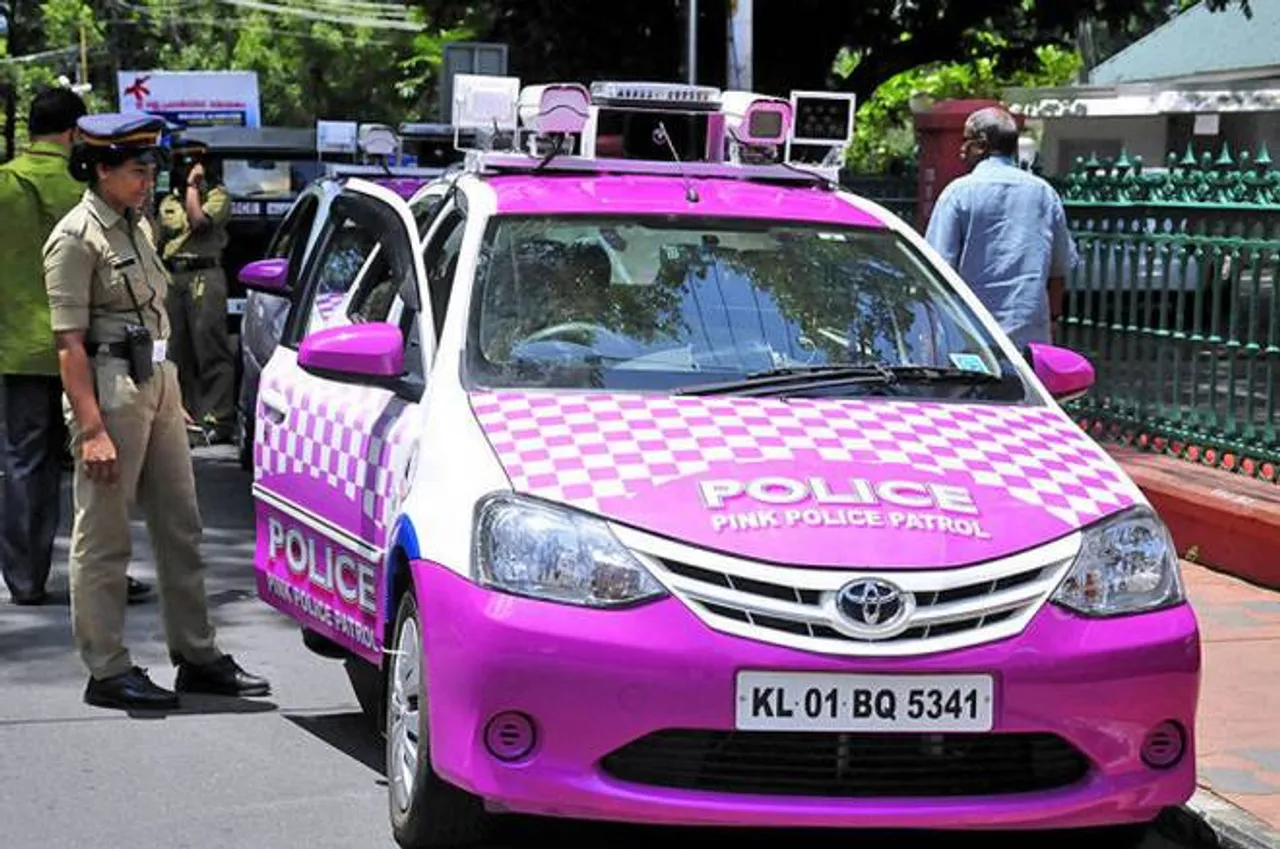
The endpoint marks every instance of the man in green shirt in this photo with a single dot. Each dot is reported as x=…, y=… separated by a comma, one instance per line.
x=36, y=191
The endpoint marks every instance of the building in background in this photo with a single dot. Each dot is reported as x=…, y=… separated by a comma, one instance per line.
x=1202, y=79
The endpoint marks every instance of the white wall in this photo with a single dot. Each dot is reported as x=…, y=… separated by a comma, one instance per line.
x=1065, y=138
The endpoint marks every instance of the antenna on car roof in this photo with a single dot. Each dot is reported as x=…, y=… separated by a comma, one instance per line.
x=690, y=193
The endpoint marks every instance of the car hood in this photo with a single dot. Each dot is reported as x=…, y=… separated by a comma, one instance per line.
x=815, y=482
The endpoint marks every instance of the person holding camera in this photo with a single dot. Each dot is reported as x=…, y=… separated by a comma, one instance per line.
x=107, y=287
x=193, y=233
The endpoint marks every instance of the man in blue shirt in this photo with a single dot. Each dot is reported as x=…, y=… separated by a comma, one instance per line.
x=1004, y=231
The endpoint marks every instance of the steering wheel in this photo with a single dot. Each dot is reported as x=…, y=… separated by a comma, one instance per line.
x=586, y=329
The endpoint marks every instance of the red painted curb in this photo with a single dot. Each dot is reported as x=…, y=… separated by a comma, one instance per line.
x=1225, y=521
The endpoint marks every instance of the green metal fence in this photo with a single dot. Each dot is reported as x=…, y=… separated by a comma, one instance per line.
x=897, y=193
x=1175, y=302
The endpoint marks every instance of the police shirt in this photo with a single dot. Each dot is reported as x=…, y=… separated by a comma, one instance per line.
x=177, y=237
x=97, y=264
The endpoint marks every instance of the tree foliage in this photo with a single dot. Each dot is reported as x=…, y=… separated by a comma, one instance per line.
x=884, y=135
x=796, y=42
x=308, y=67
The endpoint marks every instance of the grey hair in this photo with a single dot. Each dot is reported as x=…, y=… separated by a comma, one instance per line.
x=996, y=127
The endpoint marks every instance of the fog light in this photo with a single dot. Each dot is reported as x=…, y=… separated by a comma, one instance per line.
x=1164, y=745
x=509, y=736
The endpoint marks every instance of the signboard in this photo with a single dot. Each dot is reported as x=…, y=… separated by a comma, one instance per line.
x=468, y=57
x=192, y=98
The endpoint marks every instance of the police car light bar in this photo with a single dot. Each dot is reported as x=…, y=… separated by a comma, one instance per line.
x=655, y=95
x=555, y=108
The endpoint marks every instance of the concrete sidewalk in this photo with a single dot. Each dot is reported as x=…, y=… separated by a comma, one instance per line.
x=1238, y=732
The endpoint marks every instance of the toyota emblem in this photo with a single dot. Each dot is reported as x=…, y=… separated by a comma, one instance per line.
x=874, y=607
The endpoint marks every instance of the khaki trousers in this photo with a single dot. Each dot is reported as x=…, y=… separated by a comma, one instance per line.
x=200, y=345
x=146, y=424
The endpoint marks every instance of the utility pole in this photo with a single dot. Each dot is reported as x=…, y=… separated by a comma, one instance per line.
x=740, y=31
x=692, y=59
x=84, y=58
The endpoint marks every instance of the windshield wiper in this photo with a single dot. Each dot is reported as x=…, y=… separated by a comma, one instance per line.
x=762, y=382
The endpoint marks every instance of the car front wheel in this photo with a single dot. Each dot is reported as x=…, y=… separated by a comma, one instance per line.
x=426, y=811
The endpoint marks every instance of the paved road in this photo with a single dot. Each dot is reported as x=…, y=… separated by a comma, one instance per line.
x=297, y=770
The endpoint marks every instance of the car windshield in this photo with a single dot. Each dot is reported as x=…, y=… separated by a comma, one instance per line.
x=269, y=178
x=670, y=304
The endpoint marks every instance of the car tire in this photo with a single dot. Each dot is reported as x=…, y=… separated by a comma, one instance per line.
x=426, y=811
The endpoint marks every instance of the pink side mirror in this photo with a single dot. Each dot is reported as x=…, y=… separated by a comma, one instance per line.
x=1063, y=372
x=266, y=275
x=371, y=352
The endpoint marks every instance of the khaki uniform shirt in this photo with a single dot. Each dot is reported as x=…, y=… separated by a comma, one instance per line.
x=36, y=191
x=97, y=264
x=176, y=236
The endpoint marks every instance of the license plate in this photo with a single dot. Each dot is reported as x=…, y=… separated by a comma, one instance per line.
x=800, y=701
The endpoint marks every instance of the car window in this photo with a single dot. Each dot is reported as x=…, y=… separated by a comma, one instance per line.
x=440, y=256
x=388, y=274
x=290, y=241
x=424, y=208
x=347, y=254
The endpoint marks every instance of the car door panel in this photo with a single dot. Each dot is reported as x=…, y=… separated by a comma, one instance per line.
x=332, y=458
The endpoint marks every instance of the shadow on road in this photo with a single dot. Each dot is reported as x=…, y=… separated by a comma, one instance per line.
x=36, y=644
x=349, y=733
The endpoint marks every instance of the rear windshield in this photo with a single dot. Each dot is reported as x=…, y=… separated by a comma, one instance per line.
x=269, y=178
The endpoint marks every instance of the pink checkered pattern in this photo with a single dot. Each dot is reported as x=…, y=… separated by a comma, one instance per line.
x=582, y=448
x=330, y=437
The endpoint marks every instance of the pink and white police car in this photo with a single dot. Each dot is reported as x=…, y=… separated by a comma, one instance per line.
x=643, y=475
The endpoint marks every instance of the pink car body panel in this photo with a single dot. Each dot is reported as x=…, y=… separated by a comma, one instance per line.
x=595, y=681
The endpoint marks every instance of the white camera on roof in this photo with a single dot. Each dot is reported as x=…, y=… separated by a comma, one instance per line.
x=755, y=119
x=555, y=108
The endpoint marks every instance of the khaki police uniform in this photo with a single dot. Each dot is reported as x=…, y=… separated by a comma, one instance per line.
x=197, y=305
x=103, y=274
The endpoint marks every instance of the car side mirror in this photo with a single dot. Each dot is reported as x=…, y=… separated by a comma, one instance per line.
x=270, y=276
x=361, y=353
x=1066, y=374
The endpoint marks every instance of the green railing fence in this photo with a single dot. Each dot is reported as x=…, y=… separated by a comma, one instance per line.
x=1175, y=303
x=897, y=193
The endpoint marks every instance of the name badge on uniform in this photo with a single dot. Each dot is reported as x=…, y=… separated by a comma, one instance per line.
x=120, y=264
x=159, y=350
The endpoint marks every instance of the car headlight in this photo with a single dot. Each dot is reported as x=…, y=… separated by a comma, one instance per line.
x=1126, y=564
x=534, y=549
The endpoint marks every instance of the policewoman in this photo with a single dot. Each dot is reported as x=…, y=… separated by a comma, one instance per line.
x=193, y=220
x=107, y=289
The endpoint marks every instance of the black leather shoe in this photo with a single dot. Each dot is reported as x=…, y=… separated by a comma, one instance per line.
x=138, y=591
x=132, y=690
x=223, y=677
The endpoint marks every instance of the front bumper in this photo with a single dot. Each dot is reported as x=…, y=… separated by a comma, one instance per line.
x=596, y=681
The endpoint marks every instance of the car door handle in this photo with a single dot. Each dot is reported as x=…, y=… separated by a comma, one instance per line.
x=275, y=405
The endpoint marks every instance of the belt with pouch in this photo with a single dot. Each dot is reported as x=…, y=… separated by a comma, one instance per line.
x=120, y=350
x=181, y=264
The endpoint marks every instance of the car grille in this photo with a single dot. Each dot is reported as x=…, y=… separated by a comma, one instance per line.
x=795, y=606
x=843, y=765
